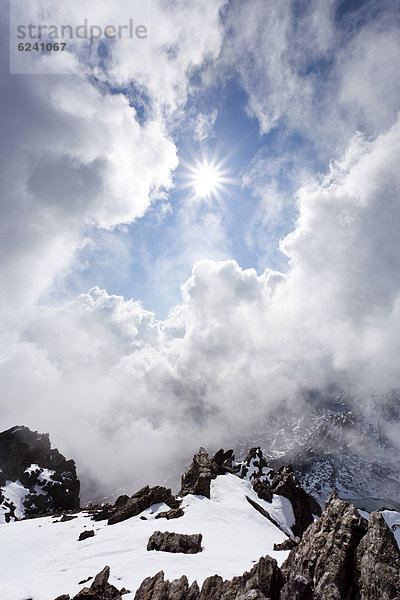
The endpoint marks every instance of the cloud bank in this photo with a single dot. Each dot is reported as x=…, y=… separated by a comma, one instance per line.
x=127, y=394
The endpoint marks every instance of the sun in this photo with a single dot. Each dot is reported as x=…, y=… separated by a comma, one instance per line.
x=207, y=177
x=205, y=180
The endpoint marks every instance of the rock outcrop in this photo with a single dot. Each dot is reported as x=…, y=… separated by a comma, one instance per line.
x=266, y=482
x=340, y=557
x=326, y=555
x=126, y=507
x=285, y=483
x=173, y=513
x=378, y=562
x=99, y=590
x=262, y=582
x=197, y=479
x=175, y=542
x=45, y=480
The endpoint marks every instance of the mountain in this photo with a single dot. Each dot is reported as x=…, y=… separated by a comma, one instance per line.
x=336, y=441
x=34, y=478
x=236, y=530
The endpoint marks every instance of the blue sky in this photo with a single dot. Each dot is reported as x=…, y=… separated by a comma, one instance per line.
x=148, y=269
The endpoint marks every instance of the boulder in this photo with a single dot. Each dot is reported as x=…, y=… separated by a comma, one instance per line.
x=175, y=542
x=325, y=556
x=85, y=535
x=126, y=507
x=378, y=562
x=174, y=513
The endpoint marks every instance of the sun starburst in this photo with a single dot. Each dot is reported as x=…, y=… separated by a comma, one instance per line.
x=207, y=177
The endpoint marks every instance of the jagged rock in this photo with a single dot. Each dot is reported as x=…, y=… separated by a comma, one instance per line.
x=288, y=544
x=85, y=535
x=263, y=489
x=304, y=506
x=64, y=597
x=298, y=588
x=378, y=562
x=325, y=556
x=125, y=509
x=49, y=478
x=100, y=589
x=263, y=582
x=254, y=465
x=174, y=513
x=155, y=588
x=197, y=479
x=255, y=468
x=175, y=542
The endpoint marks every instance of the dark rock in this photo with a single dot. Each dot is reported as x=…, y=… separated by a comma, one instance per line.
x=197, y=479
x=101, y=589
x=304, y=506
x=264, y=513
x=85, y=535
x=254, y=465
x=174, y=513
x=297, y=588
x=66, y=518
x=101, y=579
x=325, y=556
x=101, y=513
x=24, y=457
x=378, y=562
x=139, y=502
x=262, y=582
x=121, y=500
x=175, y=542
x=263, y=489
x=288, y=544
x=64, y=597
x=85, y=580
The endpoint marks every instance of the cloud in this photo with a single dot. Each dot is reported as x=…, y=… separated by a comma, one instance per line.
x=78, y=155
x=127, y=394
x=313, y=72
x=112, y=382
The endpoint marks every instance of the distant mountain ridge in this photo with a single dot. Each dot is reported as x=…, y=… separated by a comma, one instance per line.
x=336, y=442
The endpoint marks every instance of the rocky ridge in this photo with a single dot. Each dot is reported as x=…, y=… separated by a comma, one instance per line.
x=341, y=557
x=34, y=478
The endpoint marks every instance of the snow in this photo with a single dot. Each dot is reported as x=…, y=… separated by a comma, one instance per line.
x=45, y=477
x=41, y=559
x=392, y=518
x=32, y=469
x=15, y=492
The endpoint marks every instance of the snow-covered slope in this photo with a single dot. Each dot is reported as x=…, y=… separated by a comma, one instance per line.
x=42, y=558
